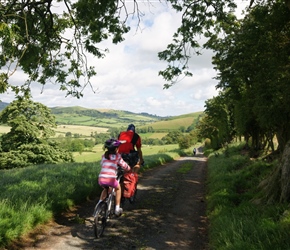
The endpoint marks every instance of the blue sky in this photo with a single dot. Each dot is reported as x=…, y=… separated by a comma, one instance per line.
x=128, y=78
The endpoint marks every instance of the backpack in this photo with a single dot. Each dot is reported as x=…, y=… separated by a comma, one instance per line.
x=130, y=181
x=133, y=157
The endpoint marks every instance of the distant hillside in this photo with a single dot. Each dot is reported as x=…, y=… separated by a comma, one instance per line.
x=107, y=118
x=176, y=122
x=101, y=118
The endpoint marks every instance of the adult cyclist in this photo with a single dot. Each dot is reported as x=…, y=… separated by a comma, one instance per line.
x=130, y=149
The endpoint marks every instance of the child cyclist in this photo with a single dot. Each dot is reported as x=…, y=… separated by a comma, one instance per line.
x=108, y=174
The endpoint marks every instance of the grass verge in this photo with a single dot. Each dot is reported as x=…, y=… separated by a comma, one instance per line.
x=236, y=220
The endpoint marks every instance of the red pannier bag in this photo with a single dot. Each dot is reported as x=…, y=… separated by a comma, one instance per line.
x=130, y=182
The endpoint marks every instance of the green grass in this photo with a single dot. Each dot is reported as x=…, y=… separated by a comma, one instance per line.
x=85, y=131
x=148, y=152
x=30, y=196
x=185, y=168
x=236, y=222
x=153, y=135
x=34, y=195
x=174, y=123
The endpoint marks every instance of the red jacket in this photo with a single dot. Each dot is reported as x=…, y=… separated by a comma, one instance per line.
x=127, y=136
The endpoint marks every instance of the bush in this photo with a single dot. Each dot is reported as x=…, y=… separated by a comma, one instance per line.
x=32, y=154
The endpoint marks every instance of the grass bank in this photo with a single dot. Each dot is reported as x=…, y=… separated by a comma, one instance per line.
x=34, y=195
x=236, y=220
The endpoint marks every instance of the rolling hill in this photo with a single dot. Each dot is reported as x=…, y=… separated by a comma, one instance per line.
x=101, y=118
x=109, y=118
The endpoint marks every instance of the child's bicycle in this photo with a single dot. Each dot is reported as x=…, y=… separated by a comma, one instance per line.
x=105, y=210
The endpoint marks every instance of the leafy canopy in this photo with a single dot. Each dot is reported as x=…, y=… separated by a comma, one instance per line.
x=49, y=40
x=52, y=46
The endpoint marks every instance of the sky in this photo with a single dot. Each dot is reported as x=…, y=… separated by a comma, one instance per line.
x=127, y=78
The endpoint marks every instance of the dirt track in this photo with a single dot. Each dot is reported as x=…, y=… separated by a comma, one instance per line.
x=169, y=214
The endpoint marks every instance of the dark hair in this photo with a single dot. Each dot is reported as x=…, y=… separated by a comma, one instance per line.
x=131, y=127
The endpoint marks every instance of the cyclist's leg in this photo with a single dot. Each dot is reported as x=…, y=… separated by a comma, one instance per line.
x=104, y=194
x=118, y=209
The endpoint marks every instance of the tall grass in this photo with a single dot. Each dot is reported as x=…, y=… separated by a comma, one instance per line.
x=34, y=195
x=31, y=196
x=236, y=221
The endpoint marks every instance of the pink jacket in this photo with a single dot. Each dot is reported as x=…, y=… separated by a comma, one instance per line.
x=110, y=167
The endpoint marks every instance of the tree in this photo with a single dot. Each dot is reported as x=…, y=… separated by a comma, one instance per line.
x=30, y=122
x=28, y=140
x=184, y=142
x=172, y=137
x=35, y=39
x=253, y=64
x=217, y=125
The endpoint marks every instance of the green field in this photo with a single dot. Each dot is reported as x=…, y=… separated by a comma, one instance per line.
x=101, y=118
x=78, y=129
x=61, y=130
x=174, y=123
x=98, y=151
x=153, y=135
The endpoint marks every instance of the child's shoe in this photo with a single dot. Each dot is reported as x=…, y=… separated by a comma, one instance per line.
x=119, y=211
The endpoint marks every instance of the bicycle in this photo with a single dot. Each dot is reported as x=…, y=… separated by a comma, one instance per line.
x=105, y=210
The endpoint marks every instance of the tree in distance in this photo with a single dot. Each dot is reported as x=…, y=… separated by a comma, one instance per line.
x=28, y=140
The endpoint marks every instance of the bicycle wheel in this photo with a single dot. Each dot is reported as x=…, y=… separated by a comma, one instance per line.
x=100, y=219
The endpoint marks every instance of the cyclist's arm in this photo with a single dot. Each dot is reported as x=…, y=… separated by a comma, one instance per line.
x=123, y=164
x=141, y=160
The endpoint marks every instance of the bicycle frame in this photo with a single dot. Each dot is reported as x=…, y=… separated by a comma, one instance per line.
x=104, y=210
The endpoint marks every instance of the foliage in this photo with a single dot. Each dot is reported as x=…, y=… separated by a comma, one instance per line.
x=198, y=18
x=30, y=122
x=34, y=38
x=28, y=154
x=233, y=216
x=184, y=142
x=217, y=125
x=253, y=64
x=32, y=195
x=77, y=145
x=27, y=141
x=172, y=137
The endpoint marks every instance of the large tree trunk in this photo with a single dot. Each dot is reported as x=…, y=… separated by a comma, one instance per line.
x=277, y=185
x=285, y=174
